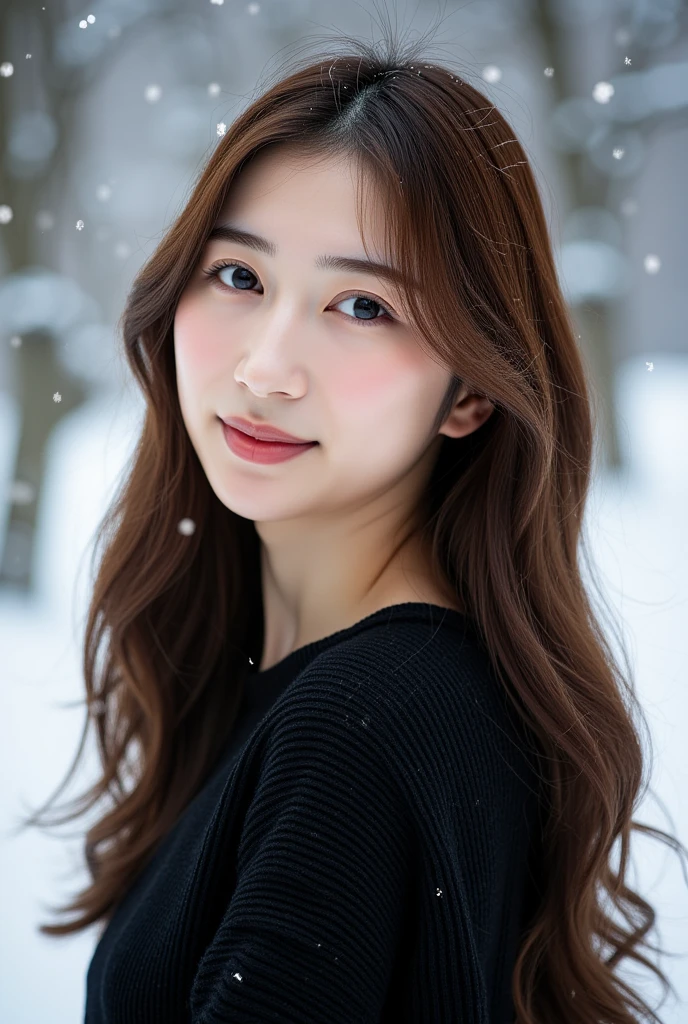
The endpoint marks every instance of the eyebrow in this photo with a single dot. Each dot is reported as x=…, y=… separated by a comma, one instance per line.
x=229, y=233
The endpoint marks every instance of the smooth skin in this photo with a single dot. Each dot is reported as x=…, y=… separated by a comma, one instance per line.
x=283, y=345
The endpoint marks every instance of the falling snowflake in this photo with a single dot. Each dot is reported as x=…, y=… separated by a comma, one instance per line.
x=80, y=225
x=652, y=263
x=57, y=397
x=122, y=250
x=218, y=2
x=250, y=661
x=236, y=973
x=603, y=92
x=253, y=8
x=549, y=72
x=15, y=341
x=439, y=892
x=221, y=128
x=6, y=214
x=627, y=60
x=186, y=527
x=6, y=69
x=491, y=73
x=618, y=153
x=91, y=19
x=214, y=89
x=103, y=192
x=28, y=56
x=83, y=24
x=650, y=366
x=153, y=93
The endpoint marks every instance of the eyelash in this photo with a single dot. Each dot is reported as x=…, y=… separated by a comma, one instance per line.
x=387, y=317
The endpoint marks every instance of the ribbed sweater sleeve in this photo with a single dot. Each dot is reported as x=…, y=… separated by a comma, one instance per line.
x=322, y=868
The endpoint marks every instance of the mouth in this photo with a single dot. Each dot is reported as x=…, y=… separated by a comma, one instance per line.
x=252, y=449
x=263, y=432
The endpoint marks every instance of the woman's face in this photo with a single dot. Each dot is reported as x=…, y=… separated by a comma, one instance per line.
x=285, y=342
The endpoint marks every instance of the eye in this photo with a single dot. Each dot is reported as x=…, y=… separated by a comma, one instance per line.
x=362, y=302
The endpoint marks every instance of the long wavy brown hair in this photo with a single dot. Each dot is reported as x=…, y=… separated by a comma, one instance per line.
x=174, y=612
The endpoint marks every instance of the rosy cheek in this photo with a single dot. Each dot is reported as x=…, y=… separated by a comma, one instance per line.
x=376, y=383
x=198, y=342
x=362, y=382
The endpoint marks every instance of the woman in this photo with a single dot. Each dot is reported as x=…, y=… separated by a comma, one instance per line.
x=381, y=753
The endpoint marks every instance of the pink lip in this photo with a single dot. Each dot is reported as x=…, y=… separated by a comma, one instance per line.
x=266, y=452
x=263, y=432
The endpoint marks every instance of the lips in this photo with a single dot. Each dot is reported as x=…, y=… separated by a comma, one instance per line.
x=264, y=432
x=252, y=450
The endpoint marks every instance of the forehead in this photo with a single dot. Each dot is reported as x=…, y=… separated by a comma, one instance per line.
x=306, y=194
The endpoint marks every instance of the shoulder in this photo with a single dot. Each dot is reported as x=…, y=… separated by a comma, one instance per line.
x=411, y=716
x=398, y=662
x=397, y=679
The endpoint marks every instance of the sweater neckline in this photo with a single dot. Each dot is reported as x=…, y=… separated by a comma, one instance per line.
x=293, y=662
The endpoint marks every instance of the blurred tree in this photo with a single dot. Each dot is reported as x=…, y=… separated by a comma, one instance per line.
x=24, y=29
x=589, y=186
x=29, y=27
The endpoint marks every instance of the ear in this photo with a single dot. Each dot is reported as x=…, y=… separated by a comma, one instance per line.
x=470, y=412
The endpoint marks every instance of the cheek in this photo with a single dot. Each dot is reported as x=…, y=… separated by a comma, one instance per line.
x=384, y=408
x=360, y=385
x=197, y=344
x=373, y=389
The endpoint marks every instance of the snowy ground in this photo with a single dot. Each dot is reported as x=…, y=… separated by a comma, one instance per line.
x=637, y=530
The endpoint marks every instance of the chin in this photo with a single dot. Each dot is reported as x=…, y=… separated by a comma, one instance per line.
x=245, y=501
